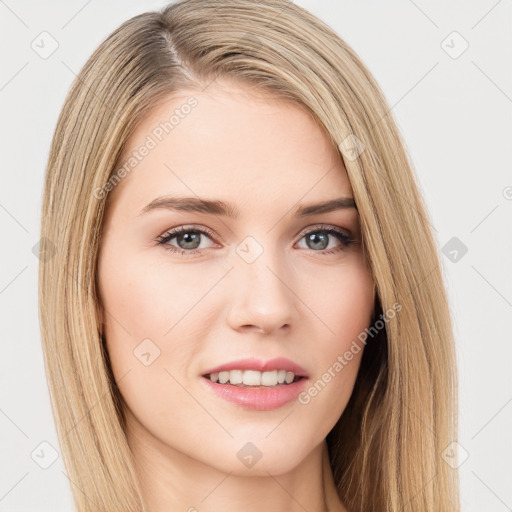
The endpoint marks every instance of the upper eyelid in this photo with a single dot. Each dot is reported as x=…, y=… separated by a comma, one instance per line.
x=172, y=233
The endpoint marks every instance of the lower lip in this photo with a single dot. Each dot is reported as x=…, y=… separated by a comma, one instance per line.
x=258, y=398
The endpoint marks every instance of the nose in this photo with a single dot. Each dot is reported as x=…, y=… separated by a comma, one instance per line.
x=262, y=296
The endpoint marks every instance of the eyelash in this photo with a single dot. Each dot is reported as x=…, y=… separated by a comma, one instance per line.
x=345, y=239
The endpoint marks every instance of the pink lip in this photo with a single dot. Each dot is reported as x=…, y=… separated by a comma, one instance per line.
x=257, y=398
x=279, y=363
x=261, y=398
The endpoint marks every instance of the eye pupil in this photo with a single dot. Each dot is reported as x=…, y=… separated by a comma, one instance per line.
x=318, y=238
x=192, y=240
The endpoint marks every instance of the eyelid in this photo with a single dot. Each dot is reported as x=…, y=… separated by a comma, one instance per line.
x=174, y=232
x=325, y=227
x=314, y=227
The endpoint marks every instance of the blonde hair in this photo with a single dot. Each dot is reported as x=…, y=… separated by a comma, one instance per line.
x=386, y=450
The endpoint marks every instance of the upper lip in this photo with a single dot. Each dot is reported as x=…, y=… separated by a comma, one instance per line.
x=279, y=363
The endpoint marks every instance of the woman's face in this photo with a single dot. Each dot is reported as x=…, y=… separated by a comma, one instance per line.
x=251, y=280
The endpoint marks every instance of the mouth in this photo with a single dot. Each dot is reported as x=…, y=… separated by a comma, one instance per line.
x=254, y=390
x=254, y=378
x=255, y=384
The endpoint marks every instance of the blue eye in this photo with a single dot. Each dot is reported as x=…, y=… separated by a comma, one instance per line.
x=319, y=239
x=188, y=239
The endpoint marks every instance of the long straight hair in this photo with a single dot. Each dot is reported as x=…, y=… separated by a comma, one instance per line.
x=387, y=449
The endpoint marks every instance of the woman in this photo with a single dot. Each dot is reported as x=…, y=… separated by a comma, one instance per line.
x=245, y=308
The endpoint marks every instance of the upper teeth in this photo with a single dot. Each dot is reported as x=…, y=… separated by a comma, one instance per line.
x=253, y=377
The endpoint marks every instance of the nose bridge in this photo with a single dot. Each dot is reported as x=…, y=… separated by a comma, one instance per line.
x=262, y=296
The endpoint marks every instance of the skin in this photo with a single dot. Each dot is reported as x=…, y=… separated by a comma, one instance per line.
x=266, y=156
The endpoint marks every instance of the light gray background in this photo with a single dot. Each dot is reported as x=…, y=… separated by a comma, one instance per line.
x=455, y=115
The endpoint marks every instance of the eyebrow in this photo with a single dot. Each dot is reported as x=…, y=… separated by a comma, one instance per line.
x=226, y=209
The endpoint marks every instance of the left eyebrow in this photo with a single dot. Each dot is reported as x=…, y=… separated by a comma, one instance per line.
x=340, y=203
x=226, y=209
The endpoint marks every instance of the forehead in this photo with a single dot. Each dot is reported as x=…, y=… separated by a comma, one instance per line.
x=229, y=141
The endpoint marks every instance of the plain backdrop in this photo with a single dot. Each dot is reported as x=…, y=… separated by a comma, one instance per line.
x=445, y=70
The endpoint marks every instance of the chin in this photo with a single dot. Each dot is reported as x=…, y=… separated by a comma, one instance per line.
x=258, y=457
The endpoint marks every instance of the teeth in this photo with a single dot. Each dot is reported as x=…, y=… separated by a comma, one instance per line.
x=253, y=377
x=269, y=378
x=236, y=376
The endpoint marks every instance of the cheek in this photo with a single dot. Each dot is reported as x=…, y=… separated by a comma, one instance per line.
x=149, y=297
x=151, y=341
x=343, y=303
x=344, y=307
x=349, y=304
x=152, y=328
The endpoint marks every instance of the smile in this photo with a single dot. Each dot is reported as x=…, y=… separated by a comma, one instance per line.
x=253, y=377
x=256, y=397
